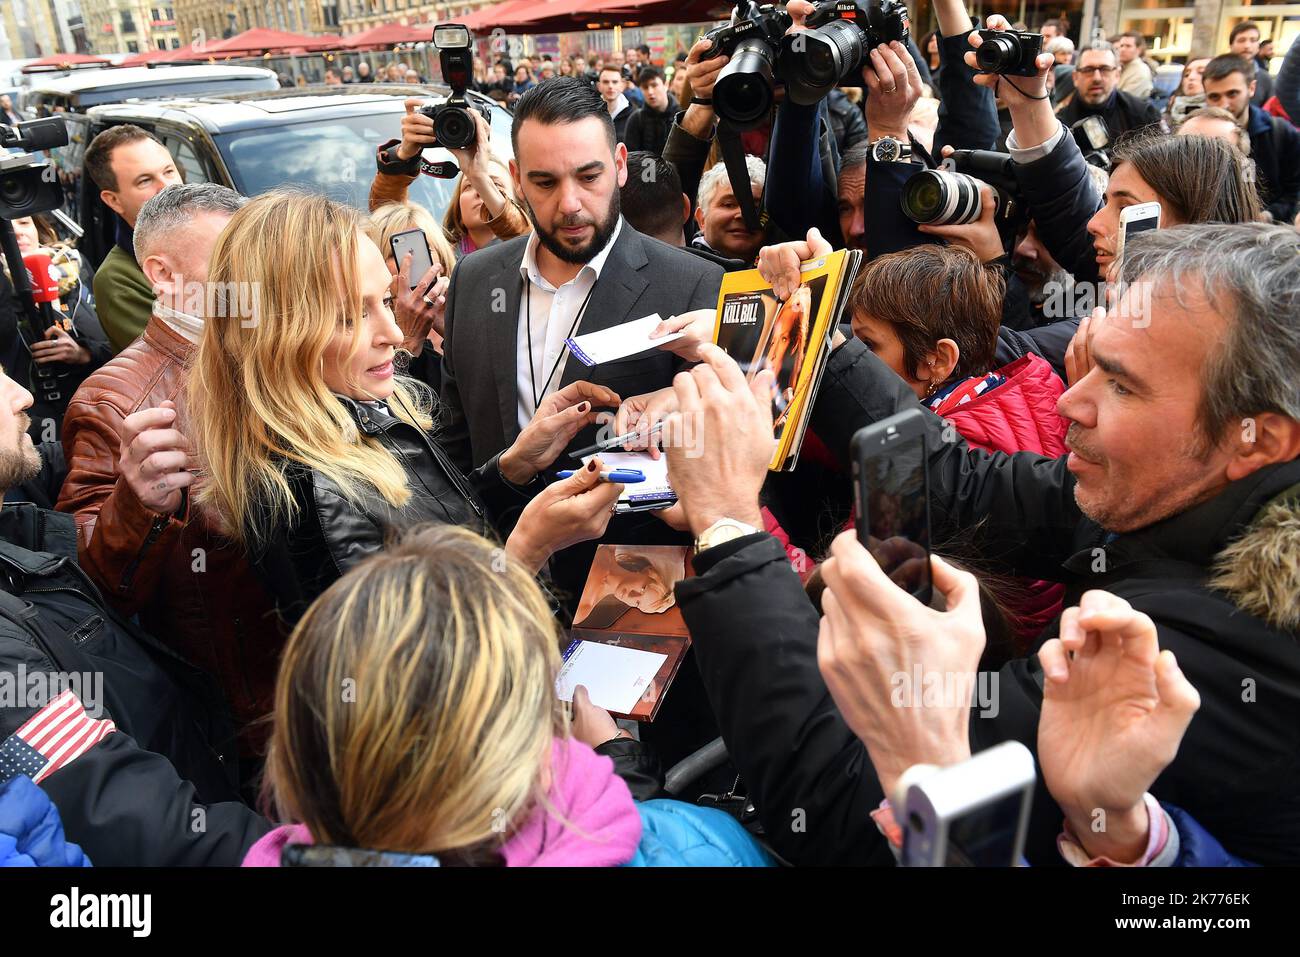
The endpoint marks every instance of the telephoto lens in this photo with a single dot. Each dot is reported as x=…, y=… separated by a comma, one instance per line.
x=813, y=62
x=940, y=197
x=1008, y=52
x=742, y=94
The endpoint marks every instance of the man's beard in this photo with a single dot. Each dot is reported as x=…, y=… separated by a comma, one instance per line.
x=581, y=255
x=20, y=462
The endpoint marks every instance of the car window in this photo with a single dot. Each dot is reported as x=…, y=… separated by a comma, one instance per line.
x=67, y=161
x=191, y=168
x=241, y=84
x=336, y=156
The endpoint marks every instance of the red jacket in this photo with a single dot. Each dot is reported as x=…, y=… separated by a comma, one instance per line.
x=1018, y=416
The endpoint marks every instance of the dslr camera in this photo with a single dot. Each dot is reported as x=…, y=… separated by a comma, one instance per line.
x=950, y=195
x=1008, y=52
x=452, y=122
x=742, y=94
x=837, y=45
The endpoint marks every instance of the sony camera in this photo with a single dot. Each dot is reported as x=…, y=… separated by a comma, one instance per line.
x=837, y=45
x=28, y=183
x=452, y=122
x=950, y=195
x=743, y=92
x=1008, y=52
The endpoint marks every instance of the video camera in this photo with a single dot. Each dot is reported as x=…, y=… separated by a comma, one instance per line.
x=950, y=195
x=27, y=181
x=452, y=123
x=837, y=45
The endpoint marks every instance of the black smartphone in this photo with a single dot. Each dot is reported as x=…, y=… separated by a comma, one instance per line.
x=891, y=492
x=412, y=241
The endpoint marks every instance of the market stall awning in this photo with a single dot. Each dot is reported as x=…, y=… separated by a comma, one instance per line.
x=484, y=19
x=262, y=40
x=563, y=16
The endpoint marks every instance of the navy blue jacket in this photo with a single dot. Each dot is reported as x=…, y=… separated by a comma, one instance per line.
x=1275, y=148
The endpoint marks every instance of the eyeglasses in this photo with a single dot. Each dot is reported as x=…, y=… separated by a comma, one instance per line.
x=1090, y=70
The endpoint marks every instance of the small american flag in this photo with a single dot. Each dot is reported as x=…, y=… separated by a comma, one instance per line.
x=55, y=736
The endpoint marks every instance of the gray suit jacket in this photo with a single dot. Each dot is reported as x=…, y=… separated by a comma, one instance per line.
x=479, y=415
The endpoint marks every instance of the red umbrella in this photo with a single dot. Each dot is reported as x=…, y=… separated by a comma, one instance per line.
x=387, y=35
x=262, y=40
x=64, y=61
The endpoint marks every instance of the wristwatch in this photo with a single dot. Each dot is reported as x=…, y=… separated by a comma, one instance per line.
x=889, y=150
x=723, y=530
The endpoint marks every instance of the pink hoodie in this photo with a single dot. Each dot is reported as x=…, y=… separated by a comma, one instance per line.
x=594, y=822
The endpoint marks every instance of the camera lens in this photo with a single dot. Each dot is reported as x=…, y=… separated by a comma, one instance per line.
x=814, y=61
x=743, y=91
x=998, y=54
x=454, y=128
x=941, y=198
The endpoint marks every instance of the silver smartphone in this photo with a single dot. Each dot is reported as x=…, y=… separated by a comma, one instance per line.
x=413, y=241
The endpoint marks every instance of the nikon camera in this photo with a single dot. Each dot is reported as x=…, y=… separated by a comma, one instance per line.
x=452, y=123
x=743, y=92
x=837, y=45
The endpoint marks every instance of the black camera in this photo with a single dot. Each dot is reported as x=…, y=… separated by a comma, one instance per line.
x=452, y=123
x=742, y=94
x=950, y=195
x=837, y=45
x=29, y=183
x=1009, y=52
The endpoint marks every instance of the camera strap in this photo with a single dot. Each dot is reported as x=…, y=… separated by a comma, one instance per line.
x=733, y=158
x=444, y=170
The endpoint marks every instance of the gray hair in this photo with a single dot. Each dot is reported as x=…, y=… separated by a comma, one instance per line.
x=175, y=206
x=854, y=156
x=1059, y=45
x=1103, y=46
x=1251, y=273
x=717, y=175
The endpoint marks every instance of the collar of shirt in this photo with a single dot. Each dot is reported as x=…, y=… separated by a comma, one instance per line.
x=529, y=270
x=181, y=323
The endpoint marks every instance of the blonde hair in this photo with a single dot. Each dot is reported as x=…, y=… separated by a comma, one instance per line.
x=257, y=397
x=451, y=221
x=393, y=218
x=415, y=708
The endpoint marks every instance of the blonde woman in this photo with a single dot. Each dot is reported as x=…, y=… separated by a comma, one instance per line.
x=315, y=451
x=448, y=742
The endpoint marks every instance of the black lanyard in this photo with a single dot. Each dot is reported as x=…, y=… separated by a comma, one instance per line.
x=528, y=326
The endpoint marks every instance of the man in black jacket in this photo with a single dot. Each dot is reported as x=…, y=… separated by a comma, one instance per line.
x=128, y=740
x=1274, y=143
x=647, y=127
x=1097, y=93
x=1181, y=494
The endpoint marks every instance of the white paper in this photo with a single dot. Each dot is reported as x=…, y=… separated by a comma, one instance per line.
x=618, y=342
x=615, y=677
x=655, y=486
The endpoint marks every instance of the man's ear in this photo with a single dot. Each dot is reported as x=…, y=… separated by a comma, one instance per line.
x=514, y=175
x=112, y=201
x=158, y=271
x=699, y=216
x=686, y=209
x=1250, y=90
x=620, y=165
x=1263, y=439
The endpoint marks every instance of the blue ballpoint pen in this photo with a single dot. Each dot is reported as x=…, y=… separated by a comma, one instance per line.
x=621, y=476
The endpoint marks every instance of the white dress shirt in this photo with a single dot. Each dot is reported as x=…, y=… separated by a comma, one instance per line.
x=553, y=314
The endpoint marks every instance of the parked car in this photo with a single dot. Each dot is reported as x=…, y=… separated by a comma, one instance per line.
x=78, y=92
x=318, y=138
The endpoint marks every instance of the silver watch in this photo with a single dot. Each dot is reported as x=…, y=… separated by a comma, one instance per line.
x=889, y=150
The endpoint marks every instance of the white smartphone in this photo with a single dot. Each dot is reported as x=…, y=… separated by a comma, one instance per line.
x=1134, y=220
x=973, y=814
x=413, y=241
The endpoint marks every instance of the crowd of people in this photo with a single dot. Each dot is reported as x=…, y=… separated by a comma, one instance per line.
x=297, y=529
